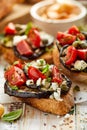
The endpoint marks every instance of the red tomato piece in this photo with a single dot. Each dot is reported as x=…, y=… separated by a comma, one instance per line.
x=81, y=36
x=56, y=75
x=15, y=76
x=23, y=48
x=82, y=54
x=65, y=39
x=73, y=30
x=10, y=29
x=18, y=64
x=35, y=74
x=71, y=55
x=34, y=37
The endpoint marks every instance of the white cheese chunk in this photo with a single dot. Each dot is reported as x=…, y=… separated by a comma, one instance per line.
x=80, y=65
x=41, y=62
x=56, y=95
x=45, y=83
x=29, y=82
x=17, y=39
x=54, y=86
x=50, y=68
x=38, y=82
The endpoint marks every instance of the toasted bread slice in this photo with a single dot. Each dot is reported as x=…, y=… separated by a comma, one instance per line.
x=53, y=106
x=10, y=57
x=56, y=56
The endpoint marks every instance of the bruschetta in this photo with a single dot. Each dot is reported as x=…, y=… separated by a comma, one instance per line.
x=41, y=85
x=72, y=57
x=25, y=43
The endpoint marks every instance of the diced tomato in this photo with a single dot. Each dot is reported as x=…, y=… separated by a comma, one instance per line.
x=56, y=75
x=71, y=55
x=23, y=48
x=35, y=74
x=82, y=54
x=65, y=39
x=81, y=36
x=10, y=29
x=18, y=64
x=34, y=37
x=15, y=76
x=73, y=30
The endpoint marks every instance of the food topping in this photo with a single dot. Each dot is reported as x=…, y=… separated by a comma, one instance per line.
x=27, y=41
x=17, y=39
x=34, y=37
x=65, y=39
x=35, y=79
x=71, y=55
x=15, y=76
x=24, y=49
x=73, y=58
x=72, y=35
x=10, y=29
x=80, y=65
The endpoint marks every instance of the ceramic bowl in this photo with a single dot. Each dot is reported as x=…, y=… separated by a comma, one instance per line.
x=53, y=26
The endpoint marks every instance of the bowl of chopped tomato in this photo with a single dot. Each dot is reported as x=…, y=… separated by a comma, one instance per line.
x=52, y=16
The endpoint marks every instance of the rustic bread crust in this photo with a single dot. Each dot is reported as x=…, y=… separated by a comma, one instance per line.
x=79, y=77
x=53, y=106
x=10, y=57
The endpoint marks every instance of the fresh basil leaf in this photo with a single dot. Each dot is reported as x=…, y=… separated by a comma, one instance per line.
x=12, y=116
x=46, y=69
x=29, y=26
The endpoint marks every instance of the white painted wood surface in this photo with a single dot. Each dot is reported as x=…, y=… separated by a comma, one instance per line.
x=33, y=119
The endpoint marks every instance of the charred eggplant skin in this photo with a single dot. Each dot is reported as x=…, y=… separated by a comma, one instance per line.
x=61, y=60
x=33, y=56
x=69, y=83
x=34, y=94
x=26, y=94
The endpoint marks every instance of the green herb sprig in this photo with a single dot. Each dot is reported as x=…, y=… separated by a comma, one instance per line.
x=12, y=116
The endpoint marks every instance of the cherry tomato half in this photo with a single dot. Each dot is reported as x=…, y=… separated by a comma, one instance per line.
x=73, y=30
x=71, y=55
x=56, y=75
x=65, y=39
x=34, y=37
x=82, y=54
x=35, y=74
x=15, y=76
x=10, y=29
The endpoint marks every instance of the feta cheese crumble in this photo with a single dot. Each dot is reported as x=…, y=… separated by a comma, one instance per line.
x=17, y=39
x=29, y=82
x=80, y=65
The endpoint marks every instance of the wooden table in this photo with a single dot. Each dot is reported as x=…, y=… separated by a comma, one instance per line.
x=33, y=119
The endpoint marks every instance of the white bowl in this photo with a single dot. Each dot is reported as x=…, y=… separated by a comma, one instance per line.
x=53, y=26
